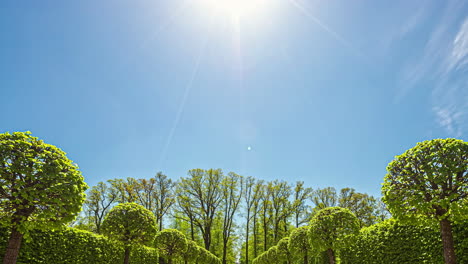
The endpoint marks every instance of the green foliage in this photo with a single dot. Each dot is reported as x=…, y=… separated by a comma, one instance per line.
x=75, y=246
x=191, y=253
x=171, y=243
x=267, y=257
x=391, y=242
x=131, y=224
x=207, y=257
x=283, y=252
x=39, y=186
x=299, y=245
x=429, y=181
x=330, y=226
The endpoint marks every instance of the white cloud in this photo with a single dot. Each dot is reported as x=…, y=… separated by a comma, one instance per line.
x=459, y=56
x=442, y=67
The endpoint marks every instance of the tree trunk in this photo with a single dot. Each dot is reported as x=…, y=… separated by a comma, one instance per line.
x=447, y=241
x=192, y=233
x=306, y=259
x=331, y=256
x=255, y=235
x=160, y=224
x=13, y=248
x=127, y=255
x=224, y=252
x=247, y=244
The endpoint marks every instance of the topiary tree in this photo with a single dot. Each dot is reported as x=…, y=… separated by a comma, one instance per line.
x=299, y=245
x=284, y=255
x=428, y=183
x=329, y=227
x=131, y=224
x=39, y=188
x=206, y=256
x=192, y=253
x=171, y=244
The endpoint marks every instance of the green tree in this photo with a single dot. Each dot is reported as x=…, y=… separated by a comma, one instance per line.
x=231, y=194
x=164, y=196
x=300, y=208
x=39, y=188
x=299, y=245
x=171, y=244
x=329, y=227
x=98, y=203
x=192, y=253
x=323, y=198
x=280, y=192
x=201, y=194
x=284, y=255
x=249, y=200
x=131, y=224
x=430, y=182
x=362, y=205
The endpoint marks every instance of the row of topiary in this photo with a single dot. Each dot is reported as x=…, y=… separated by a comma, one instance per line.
x=387, y=242
x=75, y=246
x=72, y=245
x=392, y=242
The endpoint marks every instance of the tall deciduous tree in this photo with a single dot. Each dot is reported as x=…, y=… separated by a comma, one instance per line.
x=362, y=205
x=231, y=194
x=164, y=197
x=131, y=224
x=430, y=182
x=329, y=227
x=249, y=200
x=301, y=195
x=202, y=192
x=323, y=198
x=280, y=191
x=39, y=187
x=98, y=203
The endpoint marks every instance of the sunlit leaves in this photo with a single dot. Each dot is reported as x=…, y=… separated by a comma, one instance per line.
x=130, y=223
x=429, y=181
x=39, y=186
x=330, y=226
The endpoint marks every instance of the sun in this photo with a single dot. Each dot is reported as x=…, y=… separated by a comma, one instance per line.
x=235, y=8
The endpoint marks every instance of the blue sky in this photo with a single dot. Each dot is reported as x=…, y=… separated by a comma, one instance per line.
x=327, y=92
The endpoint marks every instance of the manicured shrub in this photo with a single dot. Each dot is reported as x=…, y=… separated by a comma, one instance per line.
x=75, y=246
x=391, y=242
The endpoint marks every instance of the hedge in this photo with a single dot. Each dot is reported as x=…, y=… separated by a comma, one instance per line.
x=75, y=246
x=390, y=242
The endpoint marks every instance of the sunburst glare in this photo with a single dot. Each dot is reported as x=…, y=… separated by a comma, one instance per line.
x=235, y=8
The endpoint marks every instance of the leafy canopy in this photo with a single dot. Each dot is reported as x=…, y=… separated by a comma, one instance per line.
x=131, y=224
x=429, y=181
x=171, y=243
x=39, y=186
x=329, y=227
x=298, y=243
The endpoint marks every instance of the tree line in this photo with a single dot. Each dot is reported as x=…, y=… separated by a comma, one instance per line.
x=230, y=215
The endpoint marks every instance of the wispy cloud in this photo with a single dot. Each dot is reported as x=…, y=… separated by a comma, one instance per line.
x=442, y=67
x=459, y=56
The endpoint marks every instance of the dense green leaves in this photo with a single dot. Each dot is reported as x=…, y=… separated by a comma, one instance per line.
x=130, y=223
x=299, y=245
x=391, y=242
x=429, y=181
x=75, y=246
x=39, y=186
x=171, y=243
x=330, y=226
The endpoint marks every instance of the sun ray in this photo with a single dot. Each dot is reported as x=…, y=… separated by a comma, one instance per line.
x=181, y=108
x=326, y=28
